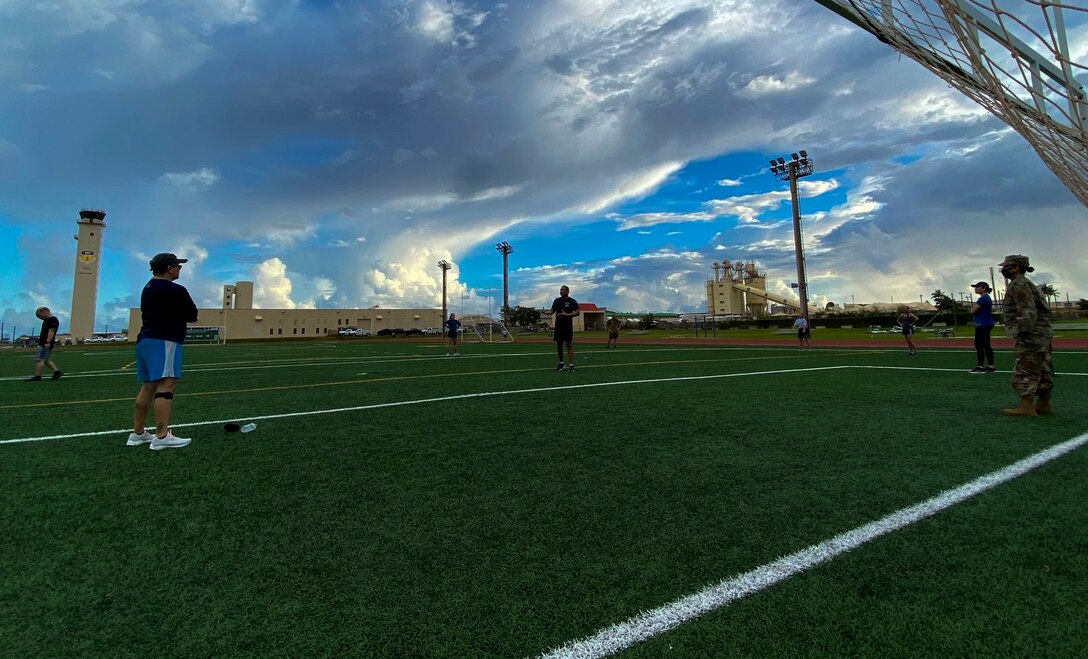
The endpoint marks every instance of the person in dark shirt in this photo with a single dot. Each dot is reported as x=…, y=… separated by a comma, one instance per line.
x=453, y=326
x=165, y=309
x=565, y=309
x=907, y=321
x=47, y=339
x=982, y=310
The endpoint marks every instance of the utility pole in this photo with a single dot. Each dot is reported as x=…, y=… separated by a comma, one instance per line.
x=800, y=165
x=445, y=265
x=505, y=249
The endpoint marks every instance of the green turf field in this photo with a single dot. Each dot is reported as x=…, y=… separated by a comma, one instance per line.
x=396, y=502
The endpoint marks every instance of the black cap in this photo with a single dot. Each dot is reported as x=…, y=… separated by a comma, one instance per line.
x=160, y=262
x=981, y=284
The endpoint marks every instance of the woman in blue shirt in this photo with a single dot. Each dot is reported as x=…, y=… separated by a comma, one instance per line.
x=982, y=310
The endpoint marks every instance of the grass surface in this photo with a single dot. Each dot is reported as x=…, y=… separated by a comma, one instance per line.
x=505, y=525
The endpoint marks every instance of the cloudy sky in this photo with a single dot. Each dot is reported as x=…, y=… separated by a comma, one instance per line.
x=333, y=151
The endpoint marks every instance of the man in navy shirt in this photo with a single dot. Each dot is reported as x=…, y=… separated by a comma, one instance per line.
x=565, y=309
x=47, y=339
x=165, y=309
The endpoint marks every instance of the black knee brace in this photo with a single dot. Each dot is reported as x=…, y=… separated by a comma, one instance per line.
x=168, y=395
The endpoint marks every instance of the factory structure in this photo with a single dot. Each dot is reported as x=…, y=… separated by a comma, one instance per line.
x=739, y=289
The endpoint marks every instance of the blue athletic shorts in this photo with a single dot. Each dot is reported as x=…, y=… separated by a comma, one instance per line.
x=43, y=353
x=157, y=359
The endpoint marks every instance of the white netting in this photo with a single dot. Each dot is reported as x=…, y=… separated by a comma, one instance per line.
x=1010, y=56
x=478, y=328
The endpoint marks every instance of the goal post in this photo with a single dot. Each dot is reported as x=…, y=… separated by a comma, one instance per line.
x=484, y=329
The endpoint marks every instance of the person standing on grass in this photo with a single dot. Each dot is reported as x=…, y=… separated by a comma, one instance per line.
x=165, y=308
x=613, y=327
x=453, y=326
x=804, y=335
x=907, y=321
x=47, y=339
x=565, y=309
x=982, y=310
x=1027, y=320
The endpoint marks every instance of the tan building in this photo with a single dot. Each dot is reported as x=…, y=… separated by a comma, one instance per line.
x=237, y=319
x=592, y=318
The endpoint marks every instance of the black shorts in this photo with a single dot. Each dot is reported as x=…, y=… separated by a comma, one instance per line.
x=803, y=333
x=564, y=335
x=613, y=335
x=908, y=331
x=452, y=335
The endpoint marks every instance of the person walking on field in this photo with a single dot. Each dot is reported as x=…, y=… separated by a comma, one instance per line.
x=982, y=310
x=1027, y=321
x=565, y=309
x=804, y=335
x=47, y=340
x=453, y=326
x=613, y=326
x=165, y=308
x=907, y=321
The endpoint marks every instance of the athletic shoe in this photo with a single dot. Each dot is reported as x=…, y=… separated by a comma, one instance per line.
x=456, y=354
x=57, y=374
x=977, y=369
x=560, y=367
x=159, y=443
x=991, y=369
x=137, y=440
x=570, y=368
x=34, y=378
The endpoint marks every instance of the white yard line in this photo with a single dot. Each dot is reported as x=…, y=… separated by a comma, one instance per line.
x=660, y=620
x=420, y=401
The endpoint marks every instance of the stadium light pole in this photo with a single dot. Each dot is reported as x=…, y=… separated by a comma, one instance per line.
x=505, y=249
x=445, y=265
x=800, y=165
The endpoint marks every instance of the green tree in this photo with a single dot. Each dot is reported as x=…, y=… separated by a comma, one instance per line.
x=524, y=316
x=646, y=322
x=1048, y=292
x=829, y=306
x=941, y=301
x=1082, y=304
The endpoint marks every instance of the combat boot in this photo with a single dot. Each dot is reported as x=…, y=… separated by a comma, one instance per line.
x=1042, y=406
x=1026, y=408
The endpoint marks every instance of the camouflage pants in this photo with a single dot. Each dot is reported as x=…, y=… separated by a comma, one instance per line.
x=1033, y=372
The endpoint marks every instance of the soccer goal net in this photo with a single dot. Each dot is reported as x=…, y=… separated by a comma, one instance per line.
x=484, y=329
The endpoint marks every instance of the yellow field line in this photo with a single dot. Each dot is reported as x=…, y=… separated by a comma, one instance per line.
x=316, y=385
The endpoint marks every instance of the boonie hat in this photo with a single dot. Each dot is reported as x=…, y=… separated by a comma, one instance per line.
x=982, y=284
x=165, y=260
x=1019, y=260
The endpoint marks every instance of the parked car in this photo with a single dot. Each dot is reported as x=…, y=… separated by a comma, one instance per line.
x=118, y=338
x=346, y=331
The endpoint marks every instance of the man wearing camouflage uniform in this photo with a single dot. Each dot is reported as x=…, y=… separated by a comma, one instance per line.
x=1027, y=320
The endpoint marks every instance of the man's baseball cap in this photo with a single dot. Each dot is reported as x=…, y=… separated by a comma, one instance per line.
x=165, y=260
x=981, y=284
x=1019, y=260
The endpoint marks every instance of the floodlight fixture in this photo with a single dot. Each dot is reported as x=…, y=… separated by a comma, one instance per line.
x=795, y=169
x=445, y=265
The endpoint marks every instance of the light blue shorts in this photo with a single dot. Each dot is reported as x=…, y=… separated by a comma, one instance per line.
x=44, y=352
x=157, y=359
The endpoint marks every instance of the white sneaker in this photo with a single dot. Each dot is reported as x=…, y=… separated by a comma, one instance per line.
x=159, y=443
x=137, y=440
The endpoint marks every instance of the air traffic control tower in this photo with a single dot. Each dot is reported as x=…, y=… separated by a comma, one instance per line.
x=92, y=223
